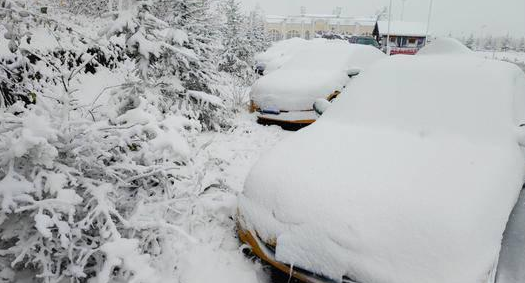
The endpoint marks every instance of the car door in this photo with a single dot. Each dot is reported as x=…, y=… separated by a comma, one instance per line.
x=511, y=265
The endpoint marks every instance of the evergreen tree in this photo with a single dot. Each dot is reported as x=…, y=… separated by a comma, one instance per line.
x=489, y=43
x=89, y=7
x=478, y=43
x=470, y=42
x=506, y=43
x=256, y=32
x=521, y=45
x=237, y=54
x=196, y=30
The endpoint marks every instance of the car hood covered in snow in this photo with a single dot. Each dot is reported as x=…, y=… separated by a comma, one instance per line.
x=296, y=90
x=316, y=71
x=374, y=194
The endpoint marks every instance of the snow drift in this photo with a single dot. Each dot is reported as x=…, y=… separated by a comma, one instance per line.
x=405, y=181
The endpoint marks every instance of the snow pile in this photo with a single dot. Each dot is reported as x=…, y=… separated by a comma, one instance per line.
x=517, y=58
x=411, y=180
x=445, y=46
x=314, y=72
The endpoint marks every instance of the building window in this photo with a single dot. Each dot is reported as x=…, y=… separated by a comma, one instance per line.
x=275, y=35
x=292, y=34
x=307, y=34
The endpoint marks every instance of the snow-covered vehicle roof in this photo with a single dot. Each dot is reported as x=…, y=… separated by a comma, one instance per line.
x=315, y=71
x=407, y=181
x=280, y=52
x=445, y=46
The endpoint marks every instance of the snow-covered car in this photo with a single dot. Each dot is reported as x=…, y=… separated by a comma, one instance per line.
x=321, y=69
x=279, y=53
x=405, y=181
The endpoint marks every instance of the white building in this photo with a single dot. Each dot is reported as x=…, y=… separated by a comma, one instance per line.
x=405, y=37
x=308, y=25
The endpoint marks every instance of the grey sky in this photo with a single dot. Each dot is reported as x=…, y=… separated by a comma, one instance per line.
x=459, y=17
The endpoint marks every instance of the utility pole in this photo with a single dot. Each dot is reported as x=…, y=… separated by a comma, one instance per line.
x=428, y=21
x=388, y=32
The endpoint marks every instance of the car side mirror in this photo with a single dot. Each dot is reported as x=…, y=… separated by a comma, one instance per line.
x=353, y=72
x=521, y=135
x=320, y=106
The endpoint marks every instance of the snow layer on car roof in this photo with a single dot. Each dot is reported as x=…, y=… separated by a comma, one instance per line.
x=280, y=52
x=464, y=95
x=316, y=71
x=445, y=46
x=405, y=181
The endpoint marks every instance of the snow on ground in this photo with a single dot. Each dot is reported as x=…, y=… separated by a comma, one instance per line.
x=510, y=56
x=229, y=157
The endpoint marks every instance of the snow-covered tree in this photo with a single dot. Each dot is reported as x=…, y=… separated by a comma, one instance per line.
x=256, y=31
x=88, y=197
x=505, y=43
x=489, y=43
x=90, y=7
x=196, y=30
x=470, y=42
x=143, y=35
x=100, y=196
x=169, y=63
x=521, y=45
x=237, y=54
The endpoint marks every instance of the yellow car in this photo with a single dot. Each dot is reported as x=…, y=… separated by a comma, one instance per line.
x=409, y=180
x=321, y=69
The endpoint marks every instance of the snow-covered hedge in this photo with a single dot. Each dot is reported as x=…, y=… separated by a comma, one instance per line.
x=105, y=194
x=72, y=188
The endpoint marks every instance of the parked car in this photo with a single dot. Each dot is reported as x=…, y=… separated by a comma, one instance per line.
x=321, y=69
x=409, y=177
x=364, y=40
x=278, y=54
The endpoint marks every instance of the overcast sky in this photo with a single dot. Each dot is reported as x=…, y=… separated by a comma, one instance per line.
x=459, y=17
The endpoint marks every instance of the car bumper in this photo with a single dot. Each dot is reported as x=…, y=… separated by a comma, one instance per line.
x=268, y=256
x=292, y=117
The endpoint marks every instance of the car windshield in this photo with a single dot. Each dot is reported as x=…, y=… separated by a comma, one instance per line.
x=424, y=95
x=367, y=41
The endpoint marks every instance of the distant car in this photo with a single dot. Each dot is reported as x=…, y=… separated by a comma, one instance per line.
x=409, y=177
x=320, y=70
x=260, y=68
x=364, y=40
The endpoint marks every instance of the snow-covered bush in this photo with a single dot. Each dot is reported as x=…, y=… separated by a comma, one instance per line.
x=108, y=196
x=71, y=188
